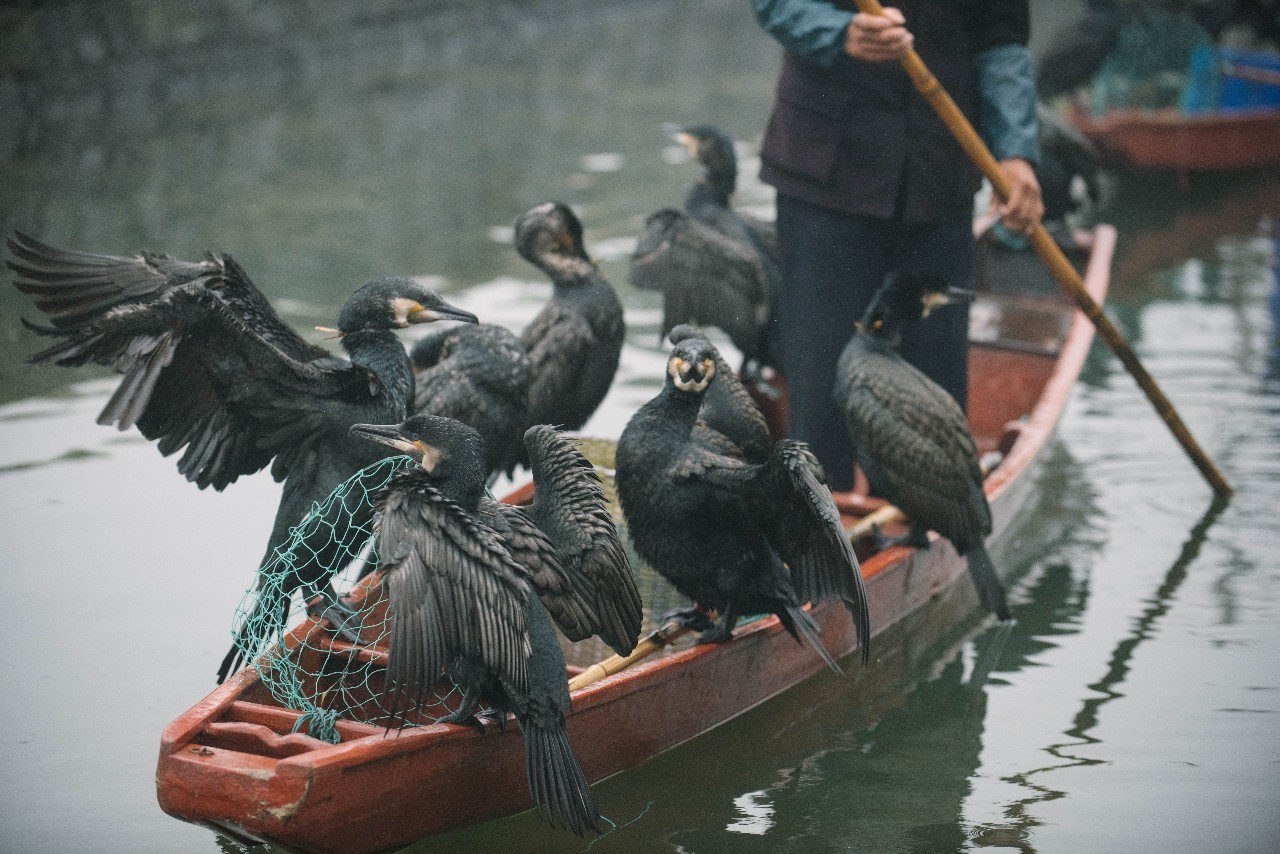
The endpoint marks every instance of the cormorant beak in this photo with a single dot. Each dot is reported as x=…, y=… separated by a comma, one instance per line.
x=691, y=376
x=388, y=434
x=937, y=299
x=442, y=312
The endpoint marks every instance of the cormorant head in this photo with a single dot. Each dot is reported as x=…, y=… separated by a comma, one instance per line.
x=907, y=296
x=446, y=449
x=549, y=232
x=395, y=302
x=692, y=364
x=709, y=145
x=685, y=331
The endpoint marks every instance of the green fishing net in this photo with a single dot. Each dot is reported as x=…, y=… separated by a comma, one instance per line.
x=1149, y=66
x=305, y=667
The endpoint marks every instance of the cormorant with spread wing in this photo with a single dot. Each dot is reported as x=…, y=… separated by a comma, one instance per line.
x=739, y=533
x=479, y=375
x=911, y=437
x=714, y=265
x=211, y=370
x=575, y=342
x=473, y=586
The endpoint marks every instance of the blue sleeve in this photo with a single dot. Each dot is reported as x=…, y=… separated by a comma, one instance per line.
x=810, y=29
x=1007, y=87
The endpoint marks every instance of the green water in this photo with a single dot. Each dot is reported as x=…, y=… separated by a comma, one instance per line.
x=1134, y=705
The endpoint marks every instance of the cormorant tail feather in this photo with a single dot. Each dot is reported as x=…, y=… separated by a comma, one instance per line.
x=990, y=590
x=803, y=627
x=559, y=788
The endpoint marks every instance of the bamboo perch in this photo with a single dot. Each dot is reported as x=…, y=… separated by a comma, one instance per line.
x=1048, y=250
x=668, y=634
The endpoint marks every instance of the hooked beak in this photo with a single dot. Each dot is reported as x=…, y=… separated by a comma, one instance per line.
x=387, y=434
x=938, y=299
x=443, y=312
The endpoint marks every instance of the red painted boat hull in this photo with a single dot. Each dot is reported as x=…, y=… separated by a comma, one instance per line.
x=231, y=761
x=1168, y=140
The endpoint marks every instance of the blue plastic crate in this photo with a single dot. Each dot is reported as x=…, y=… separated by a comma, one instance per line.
x=1250, y=79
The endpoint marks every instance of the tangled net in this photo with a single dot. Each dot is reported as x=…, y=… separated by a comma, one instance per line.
x=305, y=667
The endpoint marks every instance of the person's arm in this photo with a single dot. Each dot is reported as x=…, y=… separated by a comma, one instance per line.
x=810, y=29
x=1007, y=110
x=819, y=32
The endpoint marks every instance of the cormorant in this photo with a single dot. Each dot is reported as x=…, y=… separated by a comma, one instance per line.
x=1065, y=155
x=479, y=375
x=714, y=265
x=210, y=367
x=473, y=585
x=739, y=533
x=575, y=342
x=910, y=436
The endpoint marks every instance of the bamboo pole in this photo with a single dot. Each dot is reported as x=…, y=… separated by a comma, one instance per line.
x=670, y=632
x=1048, y=250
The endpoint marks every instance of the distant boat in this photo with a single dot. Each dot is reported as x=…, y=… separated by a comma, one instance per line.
x=1170, y=140
x=1228, y=117
x=235, y=762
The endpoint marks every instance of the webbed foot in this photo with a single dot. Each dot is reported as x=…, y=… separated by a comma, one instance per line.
x=695, y=619
x=465, y=714
x=719, y=633
x=342, y=618
x=914, y=538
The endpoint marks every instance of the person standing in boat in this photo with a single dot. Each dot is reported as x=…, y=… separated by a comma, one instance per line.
x=870, y=180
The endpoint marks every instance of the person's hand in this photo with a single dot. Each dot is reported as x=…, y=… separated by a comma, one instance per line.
x=1022, y=213
x=878, y=38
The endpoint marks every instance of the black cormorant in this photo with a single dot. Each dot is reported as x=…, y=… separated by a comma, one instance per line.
x=209, y=367
x=575, y=342
x=714, y=265
x=479, y=375
x=911, y=438
x=473, y=585
x=738, y=533
x=704, y=277
x=1065, y=155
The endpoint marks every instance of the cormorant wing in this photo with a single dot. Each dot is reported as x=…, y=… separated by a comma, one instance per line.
x=728, y=408
x=810, y=537
x=207, y=363
x=714, y=461
x=764, y=234
x=75, y=289
x=920, y=438
x=557, y=341
x=570, y=507
x=705, y=277
x=452, y=589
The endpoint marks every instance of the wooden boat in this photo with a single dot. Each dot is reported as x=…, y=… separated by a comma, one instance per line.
x=234, y=761
x=1172, y=141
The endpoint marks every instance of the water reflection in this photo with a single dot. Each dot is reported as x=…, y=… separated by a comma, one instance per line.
x=1022, y=814
x=1273, y=307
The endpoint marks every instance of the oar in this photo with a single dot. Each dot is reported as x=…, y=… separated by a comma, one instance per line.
x=1049, y=252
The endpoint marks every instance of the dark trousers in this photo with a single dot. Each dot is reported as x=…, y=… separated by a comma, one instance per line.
x=832, y=264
